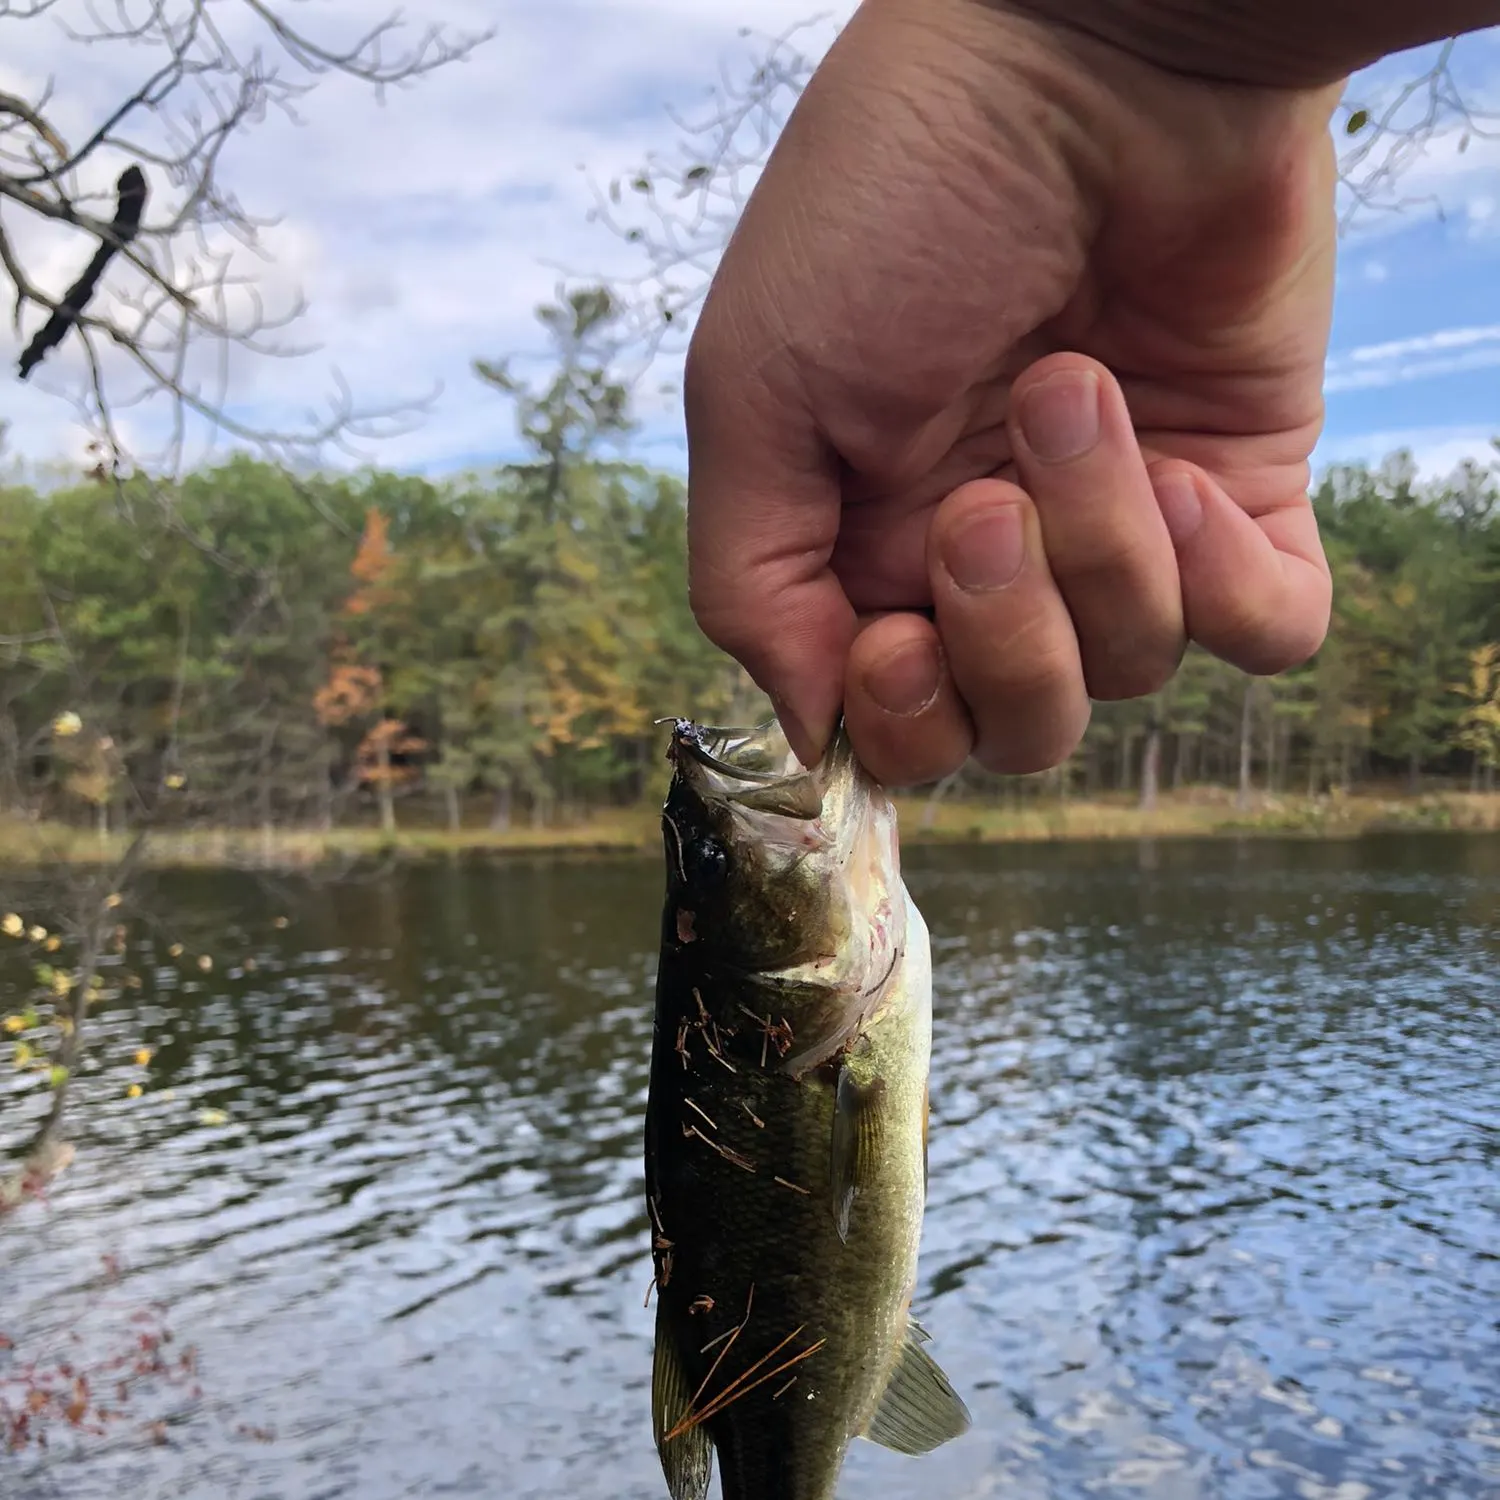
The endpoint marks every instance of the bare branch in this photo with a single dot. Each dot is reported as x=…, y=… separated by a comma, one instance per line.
x=166, y=313
x=1391, y=135
x=679, y=212
x=11, y=105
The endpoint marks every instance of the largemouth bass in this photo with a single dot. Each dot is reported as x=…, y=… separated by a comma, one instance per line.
x=786, y=1129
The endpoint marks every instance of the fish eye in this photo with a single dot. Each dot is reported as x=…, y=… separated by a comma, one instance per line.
x=707, y=864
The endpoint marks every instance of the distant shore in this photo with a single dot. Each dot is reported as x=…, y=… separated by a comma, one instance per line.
x=1201, y=812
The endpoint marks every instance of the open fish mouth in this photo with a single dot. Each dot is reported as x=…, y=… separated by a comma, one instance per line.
x=755, y=768
x=831, y=825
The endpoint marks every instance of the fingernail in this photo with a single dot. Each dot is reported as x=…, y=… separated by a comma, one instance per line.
x=1060, y=416
x=906, y=681
x=987, y=553
x=1181, y=508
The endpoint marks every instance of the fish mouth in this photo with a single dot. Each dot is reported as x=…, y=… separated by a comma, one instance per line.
x=834, y=814
x=755, y=768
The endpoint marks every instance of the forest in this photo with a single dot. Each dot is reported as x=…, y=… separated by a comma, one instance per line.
x=253, y=646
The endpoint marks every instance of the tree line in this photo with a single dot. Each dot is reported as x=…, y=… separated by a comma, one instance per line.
x=249, y=645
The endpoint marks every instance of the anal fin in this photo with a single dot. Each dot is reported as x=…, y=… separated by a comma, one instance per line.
x=919, y=1411
x=687, y=1459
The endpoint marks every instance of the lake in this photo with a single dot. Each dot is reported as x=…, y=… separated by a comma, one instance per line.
x=1215, y=1209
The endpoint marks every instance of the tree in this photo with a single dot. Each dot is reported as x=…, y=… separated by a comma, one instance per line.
x=564, y=421
x=159, y=334
x=1479, y=724
x=163, y=633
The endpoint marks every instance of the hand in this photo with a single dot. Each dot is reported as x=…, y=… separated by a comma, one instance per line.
x=1007, y=387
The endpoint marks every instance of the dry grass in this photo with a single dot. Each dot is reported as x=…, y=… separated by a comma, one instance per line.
x=1202, y=812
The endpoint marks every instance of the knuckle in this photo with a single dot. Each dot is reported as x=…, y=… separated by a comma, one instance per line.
x=724, y=620
x=1037, y=661
x=1101, y=559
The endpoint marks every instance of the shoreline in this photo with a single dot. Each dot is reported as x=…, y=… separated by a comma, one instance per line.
x=1197, y=813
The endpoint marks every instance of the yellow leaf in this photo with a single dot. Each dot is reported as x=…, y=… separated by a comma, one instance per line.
x=64, y=726
x=175, y=951
x=205, y=962
x=36, y=934
x=11, y=925
x=113, y=900
x=212, y=1117
x=142, y=1056
x=134, y=1091
x=14, y=1024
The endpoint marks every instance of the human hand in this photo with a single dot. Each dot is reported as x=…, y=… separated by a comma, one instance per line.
x=977, y=229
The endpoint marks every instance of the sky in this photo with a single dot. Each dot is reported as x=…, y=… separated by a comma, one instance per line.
x=424, y=231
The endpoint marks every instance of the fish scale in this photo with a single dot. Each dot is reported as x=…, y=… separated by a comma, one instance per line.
x=786, y=1125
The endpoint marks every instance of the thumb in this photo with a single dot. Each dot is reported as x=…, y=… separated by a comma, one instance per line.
x=763, y=516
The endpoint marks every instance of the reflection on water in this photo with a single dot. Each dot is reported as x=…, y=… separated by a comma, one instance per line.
x=1213, y=1213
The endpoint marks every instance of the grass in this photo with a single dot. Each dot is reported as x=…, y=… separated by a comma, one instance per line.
x=1202, y=812
x=1197, y=813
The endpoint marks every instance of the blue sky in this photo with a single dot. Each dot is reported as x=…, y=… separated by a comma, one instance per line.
x=1415, y=354
x=425, y=232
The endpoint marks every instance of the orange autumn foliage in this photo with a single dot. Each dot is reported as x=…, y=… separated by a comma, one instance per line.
x=372, y=563
x=351, y=692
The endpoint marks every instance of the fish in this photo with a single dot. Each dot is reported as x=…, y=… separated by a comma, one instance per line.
x=786, y=1125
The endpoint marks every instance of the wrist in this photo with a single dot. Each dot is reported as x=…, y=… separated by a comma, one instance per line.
x=1295, y=44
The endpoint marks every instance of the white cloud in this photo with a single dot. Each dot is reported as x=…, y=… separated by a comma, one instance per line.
x=1437, y=451
x=1448, y=351
x=422, y=233
x=1483, y=215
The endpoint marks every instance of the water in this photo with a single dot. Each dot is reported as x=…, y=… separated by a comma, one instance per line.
x=1214, y=1206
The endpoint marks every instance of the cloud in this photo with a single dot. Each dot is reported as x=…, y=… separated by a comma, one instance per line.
x=1437, y=451
x=1448, y=351
x=425, y=232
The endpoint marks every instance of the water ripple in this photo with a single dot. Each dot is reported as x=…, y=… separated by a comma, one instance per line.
x=1212, y=1203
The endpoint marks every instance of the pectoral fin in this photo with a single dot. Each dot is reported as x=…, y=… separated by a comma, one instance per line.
x=857, y=1130
x=919, y=1411
x=687, y=1459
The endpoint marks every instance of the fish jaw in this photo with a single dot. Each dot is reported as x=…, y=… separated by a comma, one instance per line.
x=787, y=875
